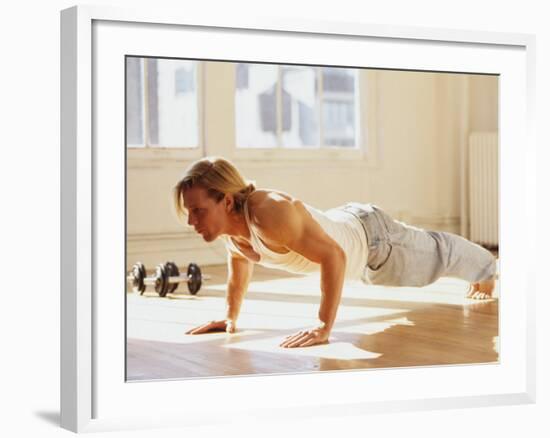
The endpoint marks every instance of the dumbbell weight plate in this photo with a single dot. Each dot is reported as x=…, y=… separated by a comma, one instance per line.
x=138, y=277
x=161, y=283
x=195, y=278
x=172, y=271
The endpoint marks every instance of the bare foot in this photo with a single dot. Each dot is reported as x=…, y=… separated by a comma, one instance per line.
x=482, y=290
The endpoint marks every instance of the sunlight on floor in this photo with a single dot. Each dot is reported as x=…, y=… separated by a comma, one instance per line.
x=175, y=332
x=258, y=316
x=443, y=291
x=334, y=350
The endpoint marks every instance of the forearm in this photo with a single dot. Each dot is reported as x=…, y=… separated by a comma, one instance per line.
x=233, y=300
x=332, y=280
x=240, y=273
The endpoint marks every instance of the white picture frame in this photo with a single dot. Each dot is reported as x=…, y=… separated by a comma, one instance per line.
x=93, y=398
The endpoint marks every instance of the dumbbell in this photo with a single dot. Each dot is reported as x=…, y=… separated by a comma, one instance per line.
x=166, y=279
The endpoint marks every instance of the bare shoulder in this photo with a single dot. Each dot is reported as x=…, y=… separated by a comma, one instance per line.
x=268, y=207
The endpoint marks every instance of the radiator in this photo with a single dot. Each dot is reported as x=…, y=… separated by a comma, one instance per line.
x=483, y=183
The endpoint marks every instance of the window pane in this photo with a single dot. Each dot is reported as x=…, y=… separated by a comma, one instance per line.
x=300, y=120
x=255, y=105
x=134, y=102
x=172, y=103
x=339, y=107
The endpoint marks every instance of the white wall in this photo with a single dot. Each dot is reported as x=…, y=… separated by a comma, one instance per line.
x=417, y=124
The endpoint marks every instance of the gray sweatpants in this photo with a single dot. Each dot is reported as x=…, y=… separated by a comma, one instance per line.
x=403, y=255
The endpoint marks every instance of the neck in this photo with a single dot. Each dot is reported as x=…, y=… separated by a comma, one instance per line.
x=237, y=226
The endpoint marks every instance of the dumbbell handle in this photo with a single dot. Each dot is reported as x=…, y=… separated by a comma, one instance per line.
x=171, y=280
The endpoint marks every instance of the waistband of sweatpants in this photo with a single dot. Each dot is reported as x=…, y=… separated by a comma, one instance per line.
x=361, y=212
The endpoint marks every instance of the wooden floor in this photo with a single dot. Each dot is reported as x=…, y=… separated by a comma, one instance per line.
x=377, y=327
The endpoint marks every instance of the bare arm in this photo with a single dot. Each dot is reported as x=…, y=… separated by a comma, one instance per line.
x=288, y=223
x=239, y=274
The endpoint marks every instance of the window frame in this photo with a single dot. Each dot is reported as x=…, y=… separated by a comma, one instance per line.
x=366, y=150
x=137, y=154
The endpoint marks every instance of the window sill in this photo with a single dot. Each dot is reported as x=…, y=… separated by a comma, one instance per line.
x=260, y=154
x=161, y=157
x=138, y=157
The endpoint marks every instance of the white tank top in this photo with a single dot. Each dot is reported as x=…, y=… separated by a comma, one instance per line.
x=342, y=226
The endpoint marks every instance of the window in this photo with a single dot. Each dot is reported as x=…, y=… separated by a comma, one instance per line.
x=296, y=106
x=162, y=106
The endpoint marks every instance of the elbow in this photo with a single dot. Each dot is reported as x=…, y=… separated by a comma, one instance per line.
x=338, y=257
x=342, y=256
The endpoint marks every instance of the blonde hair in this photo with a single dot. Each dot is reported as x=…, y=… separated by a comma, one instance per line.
x=219, y=177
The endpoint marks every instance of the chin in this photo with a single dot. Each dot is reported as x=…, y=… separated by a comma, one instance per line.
x=209, y=237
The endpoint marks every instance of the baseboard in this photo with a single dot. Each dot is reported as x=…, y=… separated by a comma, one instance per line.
x=181, y=248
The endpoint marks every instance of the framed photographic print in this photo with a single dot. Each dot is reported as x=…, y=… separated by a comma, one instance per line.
x=362, y=252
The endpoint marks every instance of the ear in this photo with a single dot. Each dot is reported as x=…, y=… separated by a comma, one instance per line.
x=229, y=202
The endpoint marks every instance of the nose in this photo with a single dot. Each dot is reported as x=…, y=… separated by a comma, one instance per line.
x=190, y=219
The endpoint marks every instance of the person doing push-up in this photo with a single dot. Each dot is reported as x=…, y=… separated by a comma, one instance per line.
x=353, y=241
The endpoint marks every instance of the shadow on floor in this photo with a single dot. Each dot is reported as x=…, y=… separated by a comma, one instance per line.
x=51, y=417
